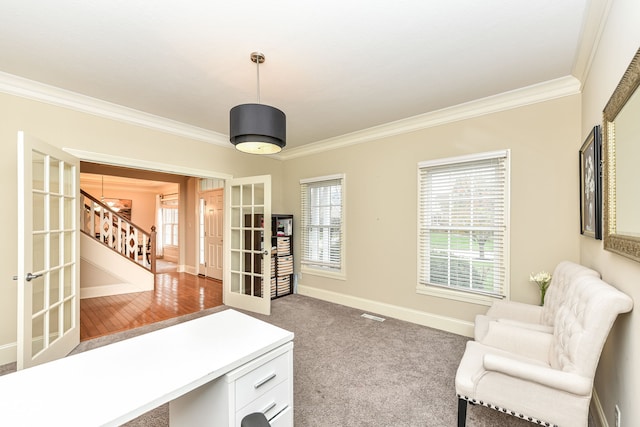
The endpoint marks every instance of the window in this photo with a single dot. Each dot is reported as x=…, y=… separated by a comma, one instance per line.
x=322, y=224
x=169, y=216
x=463, y=214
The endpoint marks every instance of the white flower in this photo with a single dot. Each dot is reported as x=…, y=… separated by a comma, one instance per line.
x=541, y=277
x=543, y=280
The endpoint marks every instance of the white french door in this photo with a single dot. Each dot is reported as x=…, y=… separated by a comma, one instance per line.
x=48, y=253
x=247, y=282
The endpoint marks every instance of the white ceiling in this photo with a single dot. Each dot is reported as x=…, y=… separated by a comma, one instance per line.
x=333, y=66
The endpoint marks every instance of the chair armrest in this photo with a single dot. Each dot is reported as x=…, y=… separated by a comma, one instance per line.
x=525, y=342
x=515, y=311
x=526, y=325
x=546, y=376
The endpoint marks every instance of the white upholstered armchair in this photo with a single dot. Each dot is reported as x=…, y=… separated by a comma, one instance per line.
x=544, y=377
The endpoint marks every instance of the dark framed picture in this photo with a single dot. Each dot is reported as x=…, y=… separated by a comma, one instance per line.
x=591, y=185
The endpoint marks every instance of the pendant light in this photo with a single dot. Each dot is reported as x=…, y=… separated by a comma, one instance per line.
x=257, y=128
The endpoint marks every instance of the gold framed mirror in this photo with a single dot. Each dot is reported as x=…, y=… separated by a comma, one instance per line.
x=621, y=148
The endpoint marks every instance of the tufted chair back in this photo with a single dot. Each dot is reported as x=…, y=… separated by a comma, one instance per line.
x=565, y=271
x=583, y=322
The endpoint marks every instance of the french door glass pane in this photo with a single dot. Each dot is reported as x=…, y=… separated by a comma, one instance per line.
x=37, y=334
x=37, y=165
x=54, y=324
x=54, y=250
x=38, y=214
x=37, y=300
x=68, y=315
x=38, y=242
x=54, y=286
x=68, y=281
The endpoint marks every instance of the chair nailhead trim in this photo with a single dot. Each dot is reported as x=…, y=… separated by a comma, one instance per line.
x=507, y=411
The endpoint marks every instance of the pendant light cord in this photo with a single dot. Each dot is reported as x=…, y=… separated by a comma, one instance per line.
x=258, y=77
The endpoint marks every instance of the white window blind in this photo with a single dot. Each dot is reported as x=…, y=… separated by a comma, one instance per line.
x=463, y=212
x=169, y=216
x=322, y=223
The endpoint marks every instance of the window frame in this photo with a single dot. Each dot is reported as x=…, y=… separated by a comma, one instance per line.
x=456, y=293
x=307, y=268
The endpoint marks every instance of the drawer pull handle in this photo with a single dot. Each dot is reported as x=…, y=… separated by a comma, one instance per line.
x=264, y=381
x=268, y=408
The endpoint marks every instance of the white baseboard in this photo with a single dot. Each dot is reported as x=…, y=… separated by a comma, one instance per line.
x=115, y=289
x=443, y=323
x=8, y=353
x=187, y=269
x=597, y=411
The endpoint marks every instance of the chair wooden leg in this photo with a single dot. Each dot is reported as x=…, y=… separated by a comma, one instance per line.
x=462, y=412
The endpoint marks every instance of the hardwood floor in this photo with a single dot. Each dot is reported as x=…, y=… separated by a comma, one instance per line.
x=176, y=294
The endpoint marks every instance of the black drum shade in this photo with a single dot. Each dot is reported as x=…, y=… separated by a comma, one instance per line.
x=257, y=128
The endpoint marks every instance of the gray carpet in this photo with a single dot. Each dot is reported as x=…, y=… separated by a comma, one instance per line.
x=352, y=371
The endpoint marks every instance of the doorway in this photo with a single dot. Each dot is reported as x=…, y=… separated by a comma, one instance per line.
x=176, y=292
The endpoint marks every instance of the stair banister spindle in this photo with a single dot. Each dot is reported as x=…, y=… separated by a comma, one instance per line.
x=118, y=233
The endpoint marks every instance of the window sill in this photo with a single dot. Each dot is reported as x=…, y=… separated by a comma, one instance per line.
x=453, y=294
x=326, y=274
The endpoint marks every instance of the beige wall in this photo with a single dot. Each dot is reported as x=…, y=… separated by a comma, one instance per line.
x=617, y=379
x=381, y=205
x=67, y=128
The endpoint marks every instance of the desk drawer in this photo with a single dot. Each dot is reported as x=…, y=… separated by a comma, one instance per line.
x=262, y=379
x=273, y=403
x=283, y=419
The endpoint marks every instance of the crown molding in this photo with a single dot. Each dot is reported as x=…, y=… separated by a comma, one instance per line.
x=25, y=88
x=564, y=86
x=552, y=89
x=594, y=22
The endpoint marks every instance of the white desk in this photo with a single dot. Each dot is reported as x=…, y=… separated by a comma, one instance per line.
x=118, y=382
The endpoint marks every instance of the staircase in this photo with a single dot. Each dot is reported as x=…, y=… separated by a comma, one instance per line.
x=116, y=255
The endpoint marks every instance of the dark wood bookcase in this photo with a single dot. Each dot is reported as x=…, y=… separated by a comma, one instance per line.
x=281, y=255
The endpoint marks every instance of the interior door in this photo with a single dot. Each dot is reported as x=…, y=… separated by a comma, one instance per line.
x=248, y=244
x=48, y=252
x=214, y=228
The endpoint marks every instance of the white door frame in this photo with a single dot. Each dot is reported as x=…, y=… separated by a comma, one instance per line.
x=109, y=159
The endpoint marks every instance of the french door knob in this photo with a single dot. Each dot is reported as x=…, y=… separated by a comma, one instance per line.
x=29, y=277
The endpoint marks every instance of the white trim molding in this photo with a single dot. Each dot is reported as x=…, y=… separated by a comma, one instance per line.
x=8, y=353
x=30, y=89
x=593, y=25
x=558, y=88
x=113, y=289
x=108, y=159
x=444, y=323
x=597, y=411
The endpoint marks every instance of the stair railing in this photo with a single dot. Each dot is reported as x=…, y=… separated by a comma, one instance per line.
x=105, y=225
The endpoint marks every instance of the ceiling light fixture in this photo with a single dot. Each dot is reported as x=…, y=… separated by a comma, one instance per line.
x=257, y=128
